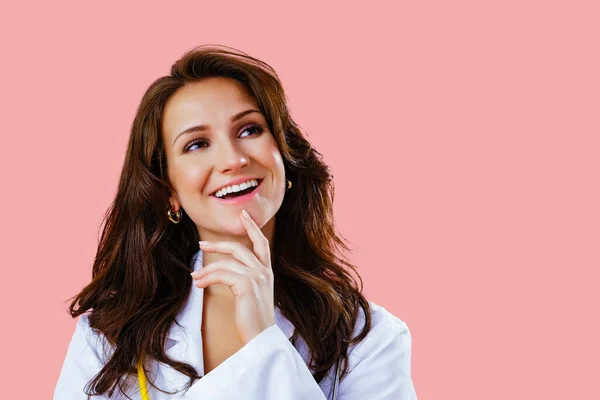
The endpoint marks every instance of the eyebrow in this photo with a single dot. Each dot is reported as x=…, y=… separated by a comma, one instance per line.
x=205, y=127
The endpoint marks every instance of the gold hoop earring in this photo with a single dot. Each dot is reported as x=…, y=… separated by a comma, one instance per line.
x=289, y=184
x=178, y=216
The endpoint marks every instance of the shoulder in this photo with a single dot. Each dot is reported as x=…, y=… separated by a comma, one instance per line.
x=383, y=323
x=389, y=337
x=87, y=353
x=379, y=365
x=89, y=343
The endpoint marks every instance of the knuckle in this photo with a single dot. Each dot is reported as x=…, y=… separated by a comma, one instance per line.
x=255, y=287
x=214, y=267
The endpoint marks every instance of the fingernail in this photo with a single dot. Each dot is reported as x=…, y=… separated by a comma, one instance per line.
x=203, y=243
x=245, y=214
x=194, y=274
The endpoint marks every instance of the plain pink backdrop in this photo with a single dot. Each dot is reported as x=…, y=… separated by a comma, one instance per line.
x=463, y=137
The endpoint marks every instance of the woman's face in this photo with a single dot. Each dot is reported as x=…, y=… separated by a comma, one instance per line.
x=214, y=133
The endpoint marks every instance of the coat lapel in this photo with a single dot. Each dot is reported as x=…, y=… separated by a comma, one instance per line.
x=184, y=341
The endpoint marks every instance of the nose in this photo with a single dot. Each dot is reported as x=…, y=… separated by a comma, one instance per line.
x=230, y=157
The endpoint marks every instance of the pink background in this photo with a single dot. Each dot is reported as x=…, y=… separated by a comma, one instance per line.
x=464, y=137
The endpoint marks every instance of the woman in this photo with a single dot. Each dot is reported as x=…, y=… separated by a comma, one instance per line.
x=264, y=307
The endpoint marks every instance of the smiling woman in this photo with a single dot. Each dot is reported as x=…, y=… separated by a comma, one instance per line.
x=219, y=273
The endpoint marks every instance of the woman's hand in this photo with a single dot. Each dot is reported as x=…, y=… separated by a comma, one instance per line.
x=249, y=276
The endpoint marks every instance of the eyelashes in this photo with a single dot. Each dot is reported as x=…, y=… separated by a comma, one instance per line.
x=201, y=143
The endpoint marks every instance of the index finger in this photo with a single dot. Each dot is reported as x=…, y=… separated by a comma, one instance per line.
x=259, y=241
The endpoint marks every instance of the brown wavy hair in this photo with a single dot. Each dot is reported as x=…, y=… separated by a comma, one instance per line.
x=141, y=273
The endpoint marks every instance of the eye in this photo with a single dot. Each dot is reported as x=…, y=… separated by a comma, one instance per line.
x=253, y=129
x=199, y=142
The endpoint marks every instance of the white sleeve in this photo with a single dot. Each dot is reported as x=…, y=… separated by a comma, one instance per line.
x=270, y=368
x=380, y=364
x=267, y=368
x=81, y=364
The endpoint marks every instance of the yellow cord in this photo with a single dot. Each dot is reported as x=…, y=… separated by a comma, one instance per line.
x=142, y=382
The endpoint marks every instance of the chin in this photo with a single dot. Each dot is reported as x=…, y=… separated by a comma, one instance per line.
x=239, y=230
x=233, y=229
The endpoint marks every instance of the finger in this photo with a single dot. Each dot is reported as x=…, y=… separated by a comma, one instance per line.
x=221, y=265
x=236, y=250
x=259, y=241
x=237, y=283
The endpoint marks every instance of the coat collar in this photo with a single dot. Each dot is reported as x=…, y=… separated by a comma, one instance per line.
x=190, y=316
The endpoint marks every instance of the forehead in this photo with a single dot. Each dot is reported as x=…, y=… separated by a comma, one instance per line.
x=208, y=101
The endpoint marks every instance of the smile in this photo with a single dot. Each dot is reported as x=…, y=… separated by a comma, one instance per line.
x=237, y=195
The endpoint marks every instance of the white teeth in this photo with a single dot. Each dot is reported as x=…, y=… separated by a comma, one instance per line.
x=236, y=188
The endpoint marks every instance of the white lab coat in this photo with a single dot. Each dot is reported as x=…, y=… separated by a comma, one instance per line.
x=268, y=367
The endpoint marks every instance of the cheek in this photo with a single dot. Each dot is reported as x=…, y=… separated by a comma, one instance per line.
x=278, y=169
x=275, y=158
x=269, y=156
x=189, y=178
x=278, y=162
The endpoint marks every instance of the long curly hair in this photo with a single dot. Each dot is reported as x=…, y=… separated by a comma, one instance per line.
x=141, y=272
